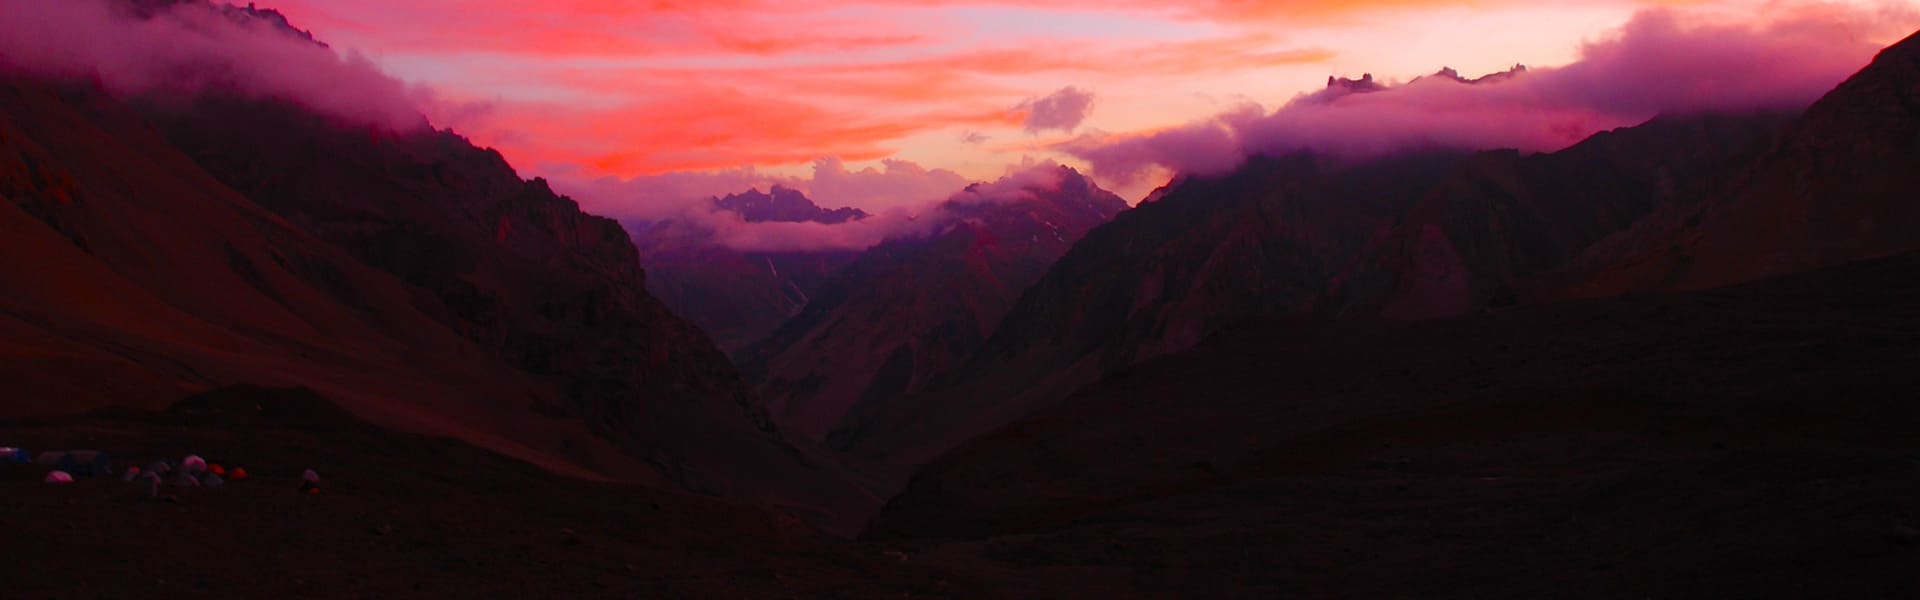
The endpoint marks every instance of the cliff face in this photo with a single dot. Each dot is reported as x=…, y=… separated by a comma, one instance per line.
x=910, y=310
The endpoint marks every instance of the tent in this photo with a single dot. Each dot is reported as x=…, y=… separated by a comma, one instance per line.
x=11, y=454
x=193, y=464
x=59, y=477
x=90, y=463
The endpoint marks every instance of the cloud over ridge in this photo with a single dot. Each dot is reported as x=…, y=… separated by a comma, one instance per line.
x=1661, y=62
x=194, y=47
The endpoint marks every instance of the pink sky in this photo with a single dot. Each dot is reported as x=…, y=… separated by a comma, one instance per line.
x=719, y=94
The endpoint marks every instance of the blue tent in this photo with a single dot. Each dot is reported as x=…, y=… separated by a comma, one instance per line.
x=17, y=455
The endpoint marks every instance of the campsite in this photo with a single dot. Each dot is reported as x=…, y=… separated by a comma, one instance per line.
x=399, y=515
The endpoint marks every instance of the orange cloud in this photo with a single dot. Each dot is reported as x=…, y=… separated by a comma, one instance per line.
x=628, y=87
x=673, y=118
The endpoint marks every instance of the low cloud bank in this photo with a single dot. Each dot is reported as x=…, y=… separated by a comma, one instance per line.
x=157, y=46
x=1661, y=62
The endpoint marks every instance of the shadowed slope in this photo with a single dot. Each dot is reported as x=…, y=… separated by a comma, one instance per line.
x=1754, y=440
x=739, y=297
x=1839, y=185
x=909, y=310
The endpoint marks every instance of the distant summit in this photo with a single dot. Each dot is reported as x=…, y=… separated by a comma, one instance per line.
x=1451, y=73
x=784, y=205
x=1364, y=84
x=1340, y=87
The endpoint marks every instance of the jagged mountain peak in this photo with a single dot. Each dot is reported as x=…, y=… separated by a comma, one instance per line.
x=784, y=205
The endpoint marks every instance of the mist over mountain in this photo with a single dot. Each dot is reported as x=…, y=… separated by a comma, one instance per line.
x=188, y=46
x=1639, y=325
x=412, y=277
x=1660, y=63
x=1413, y=235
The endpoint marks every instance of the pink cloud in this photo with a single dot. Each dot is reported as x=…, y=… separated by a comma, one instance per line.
x=1658, y=63
x=1063, y=110
x=894, y=183
x=194, y=47
x=624, y=88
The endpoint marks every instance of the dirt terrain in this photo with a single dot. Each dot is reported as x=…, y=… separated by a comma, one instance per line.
x=398, y=515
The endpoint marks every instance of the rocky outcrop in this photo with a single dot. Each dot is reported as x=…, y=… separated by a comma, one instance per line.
x=1454, y=74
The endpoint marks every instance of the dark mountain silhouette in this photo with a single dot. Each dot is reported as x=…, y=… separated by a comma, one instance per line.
x=740, y=297
x=1426, y=236
x=1838, y=186
x=1656, y=445
x=1673, y=360
x=909, y=310
x=174, y=244
x=1207, y=252
x=1505, y=219
x=1555, y=435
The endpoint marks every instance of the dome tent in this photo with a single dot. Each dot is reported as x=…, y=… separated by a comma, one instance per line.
x=91, y=463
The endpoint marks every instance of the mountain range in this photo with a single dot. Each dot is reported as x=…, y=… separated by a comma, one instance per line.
x=167, y=247
x=1672, y=359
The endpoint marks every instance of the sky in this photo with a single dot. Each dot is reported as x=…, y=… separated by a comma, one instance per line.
x=642, y=109
x=625, y=88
